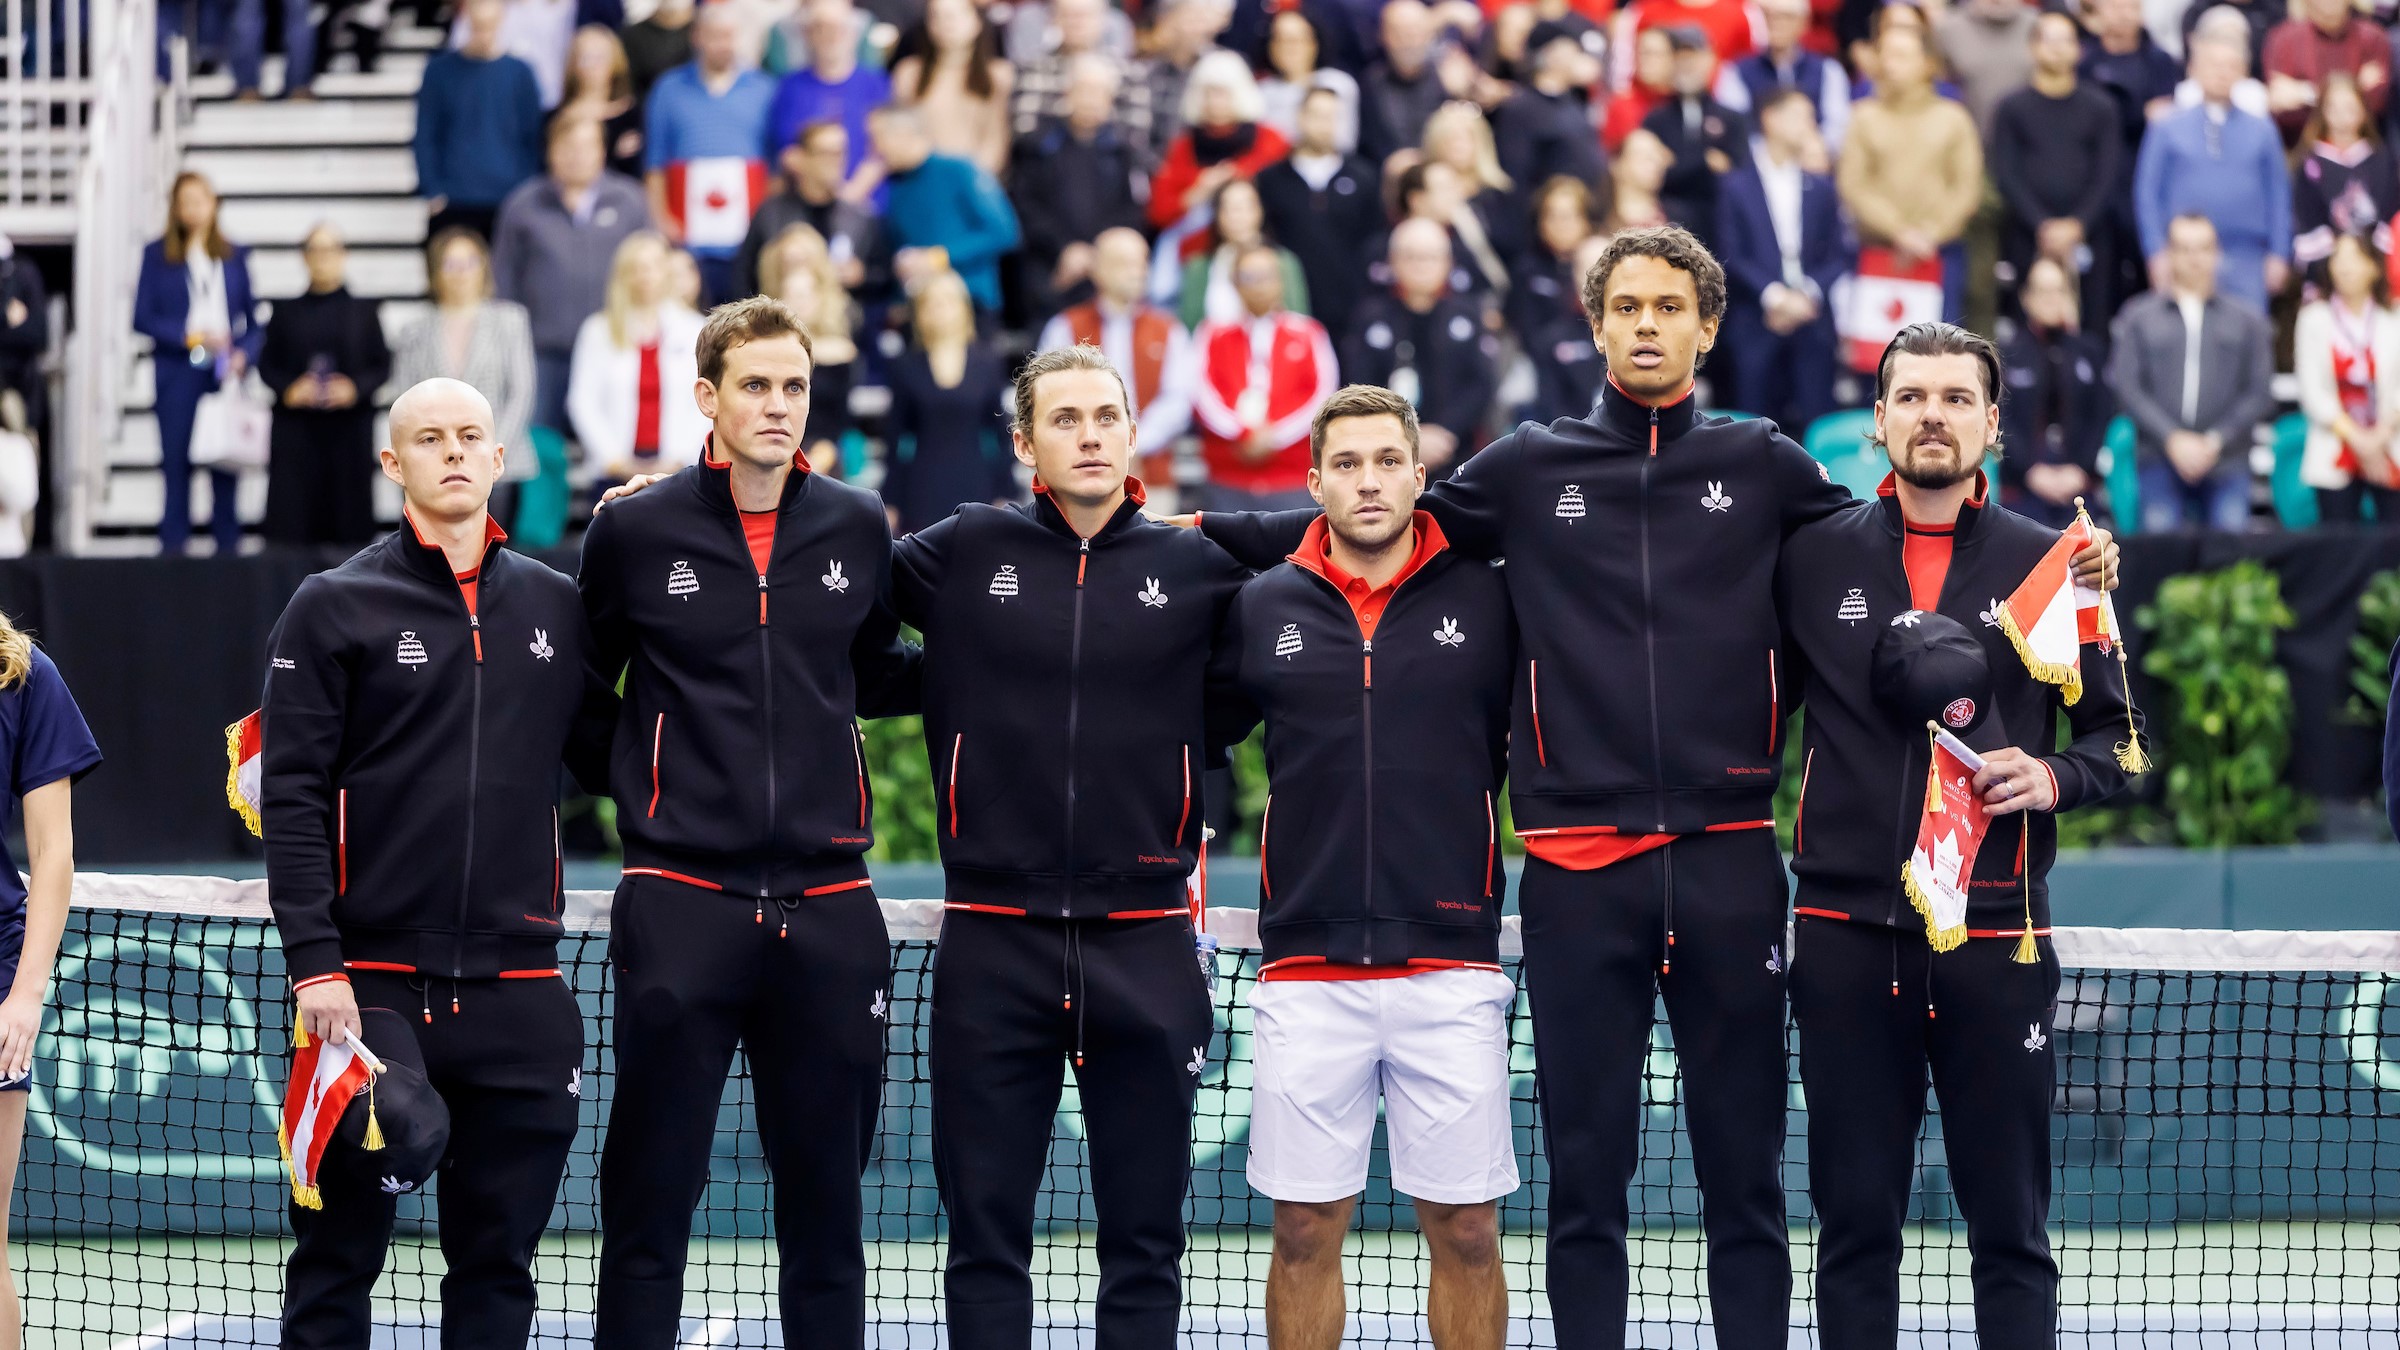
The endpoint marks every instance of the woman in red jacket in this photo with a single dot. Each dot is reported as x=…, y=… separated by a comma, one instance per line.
x=1222, y=139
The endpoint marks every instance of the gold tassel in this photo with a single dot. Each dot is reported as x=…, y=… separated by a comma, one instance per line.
x=373, y=1143
x=2027, y=953
x=2130, y=755
x=241, y=805
x=2068, y=678
x=307, y=1197
x=299, y=1036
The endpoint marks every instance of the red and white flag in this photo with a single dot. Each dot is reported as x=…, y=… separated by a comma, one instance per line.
x=1881, y=297
x=325, y=1079
x=1949, y=834
x=242, y=770
x=2045, y=617
x=714, y=198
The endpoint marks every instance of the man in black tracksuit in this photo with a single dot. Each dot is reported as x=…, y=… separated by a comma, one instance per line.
x=419, y=700
x=1644, y=750
x=1876, y=1006
x=1065, y=649
x=740, y=598
x=1427, y=342
x=1381, y=661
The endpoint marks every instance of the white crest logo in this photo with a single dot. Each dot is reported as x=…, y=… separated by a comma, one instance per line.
x=1152, y=596
x=575, y=1082
x=1990, y=614
x=682, y=580
x=1716, y=500
x=833, y=578
x=540, y=646
x=1907, y=618
x=1854, y=607
x=1570, y=503
x=412, y=652
x=1287, y=642
x=1448, y=634
x=395, y=1186
x=1004, y=582
x=878, y=1008
x=1199, y=1062
x=1774, y=959
x=2034, y=1039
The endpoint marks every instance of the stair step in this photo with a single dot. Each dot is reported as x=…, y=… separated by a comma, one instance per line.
x=269, y=222
x=376, y=273
x=281, y=173
x=325, y=121
x=136, y=450
x=396, y=76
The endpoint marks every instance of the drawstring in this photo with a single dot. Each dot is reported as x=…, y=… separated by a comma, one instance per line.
x=424, y=988
x=1928, y=978
x=758, y=913
x=1071, y=960
x=1895, y=963
x=1666, y=860
x=454, y=996
x=783, y=917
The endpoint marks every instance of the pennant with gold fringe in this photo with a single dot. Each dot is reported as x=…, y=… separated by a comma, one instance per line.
x=2096, y=623
x=1950, y=831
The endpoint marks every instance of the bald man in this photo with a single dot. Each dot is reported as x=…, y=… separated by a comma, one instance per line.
x=419, y=700
x=1140, y=339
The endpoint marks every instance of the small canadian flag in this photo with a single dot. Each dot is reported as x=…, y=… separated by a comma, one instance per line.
x=2051, y=616
x=326, y=1078
x=1949, y=834
x=242, y=770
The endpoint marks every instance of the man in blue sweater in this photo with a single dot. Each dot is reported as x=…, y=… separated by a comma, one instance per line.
x=707, y=152
x=2217, y=161
x=479, y=126
x=941, y=211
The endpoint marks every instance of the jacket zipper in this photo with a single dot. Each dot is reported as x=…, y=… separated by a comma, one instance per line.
x=466, y=880
x=1083, y=559
x=1366, y=890
x=766, y=676
x=1658, y=754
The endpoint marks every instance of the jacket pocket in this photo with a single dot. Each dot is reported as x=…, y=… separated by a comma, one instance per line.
x=858, y=756
x=1491, y=842
x=341, y=842
x=558, y=865
x=658, y=741
x=1774, y=705
x=958, y=745
x=1184, y=819
x=1800, y=808
x=1533, y=681
x=1266, y=890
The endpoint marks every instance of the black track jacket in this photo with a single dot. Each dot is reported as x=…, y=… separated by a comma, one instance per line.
x=410, y=754
x=1863, y=787
x=1641, y=548
x=1380, y=845
x=738, y=763
x=1064, y=715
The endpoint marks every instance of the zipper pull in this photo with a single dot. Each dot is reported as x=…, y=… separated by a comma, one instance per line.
x=1083, y=550
x=762, y=599
x=1370, y=660
x=1654, y=431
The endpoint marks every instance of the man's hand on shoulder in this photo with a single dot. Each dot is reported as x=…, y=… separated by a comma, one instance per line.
x=629, y=487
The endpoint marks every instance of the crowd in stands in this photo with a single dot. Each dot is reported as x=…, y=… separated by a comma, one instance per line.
x=2154, y=206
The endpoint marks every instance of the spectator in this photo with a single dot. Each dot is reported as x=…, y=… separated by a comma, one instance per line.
x=1426, y=343
x=486, y=342
x=1222, y=139
x=553, y=250
x=833, y=86
x=810, y=194
x=250, y=48
x=193, y=301
x=960, y=84
x=1987, y=46
x=2258, y=17
x=1545, y=128
x=2058, y=164
x=630, y=391
x=945, y=429
x=1183, y=32
x=2120, y=57
x=1261, y=379
x=1545, y=275
x=24, y=336
x=600, y=86
x=1653, y=83
x=1402, y=90
x=1732, y=29
x=537, y=32
x=2345, y=182
x=1785, y=62
x=684, y=285
x=1237, y=224
x=2193, y=369
x=479, y=125
x=943, y=213
x=2346, y=352
x=658, y=44
x=2055, y=416
x=1635, y=182
x=1519, y=30
x=2223, y=24
x=791, y=47
x=1146, y=344
x=799, y=269
x=1295, y=70
x=1320, y=201
x=20, y=476
x=1037, y=29
x=1781, y=238
x=1490, y=223
x=1081, y=28
x=2217, y=161
x=324, y=358
x=1912, y=169
x=1073, y=178
x=1706, y=140
x=2321, y=39
x=707, y=151
x=1567, y=366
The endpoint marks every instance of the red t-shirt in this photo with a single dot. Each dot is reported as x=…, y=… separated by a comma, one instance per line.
x=1925, y=555
x=646, y=402
x=758, y=529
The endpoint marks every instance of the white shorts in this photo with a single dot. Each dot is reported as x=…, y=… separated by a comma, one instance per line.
x=1433, y=1046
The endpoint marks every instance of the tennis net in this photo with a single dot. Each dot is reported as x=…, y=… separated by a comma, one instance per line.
x=2227, y=1158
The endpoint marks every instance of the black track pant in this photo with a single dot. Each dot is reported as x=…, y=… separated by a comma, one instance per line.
x=508, y=1065
x=1595, y=945
x=1864, y=1057
x=1003, y=1037
x=803, y=987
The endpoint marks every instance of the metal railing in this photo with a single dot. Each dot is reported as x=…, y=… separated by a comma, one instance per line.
x=132, y=152
x=46, y=92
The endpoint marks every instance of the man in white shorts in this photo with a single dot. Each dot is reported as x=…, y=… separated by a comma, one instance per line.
x=1381, y=662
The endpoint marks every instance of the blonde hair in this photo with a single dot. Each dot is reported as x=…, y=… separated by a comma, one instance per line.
x=177, y=240
x=16, y=654
x=1081, y=356
x=948, y=284
x=829, y=318
x=619, y=304
x=1459, y=112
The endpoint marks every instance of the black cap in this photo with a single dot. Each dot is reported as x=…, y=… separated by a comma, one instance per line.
x=1685, y=37
x=1548, y=31
x=411, y=1121
x=1927, y=667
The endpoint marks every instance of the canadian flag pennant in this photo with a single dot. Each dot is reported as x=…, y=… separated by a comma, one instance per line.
x=714, y=198
x=325, y=1078
x=242, y=769
x=2045, y=620
x=1879, y=298
x=1949, y=834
